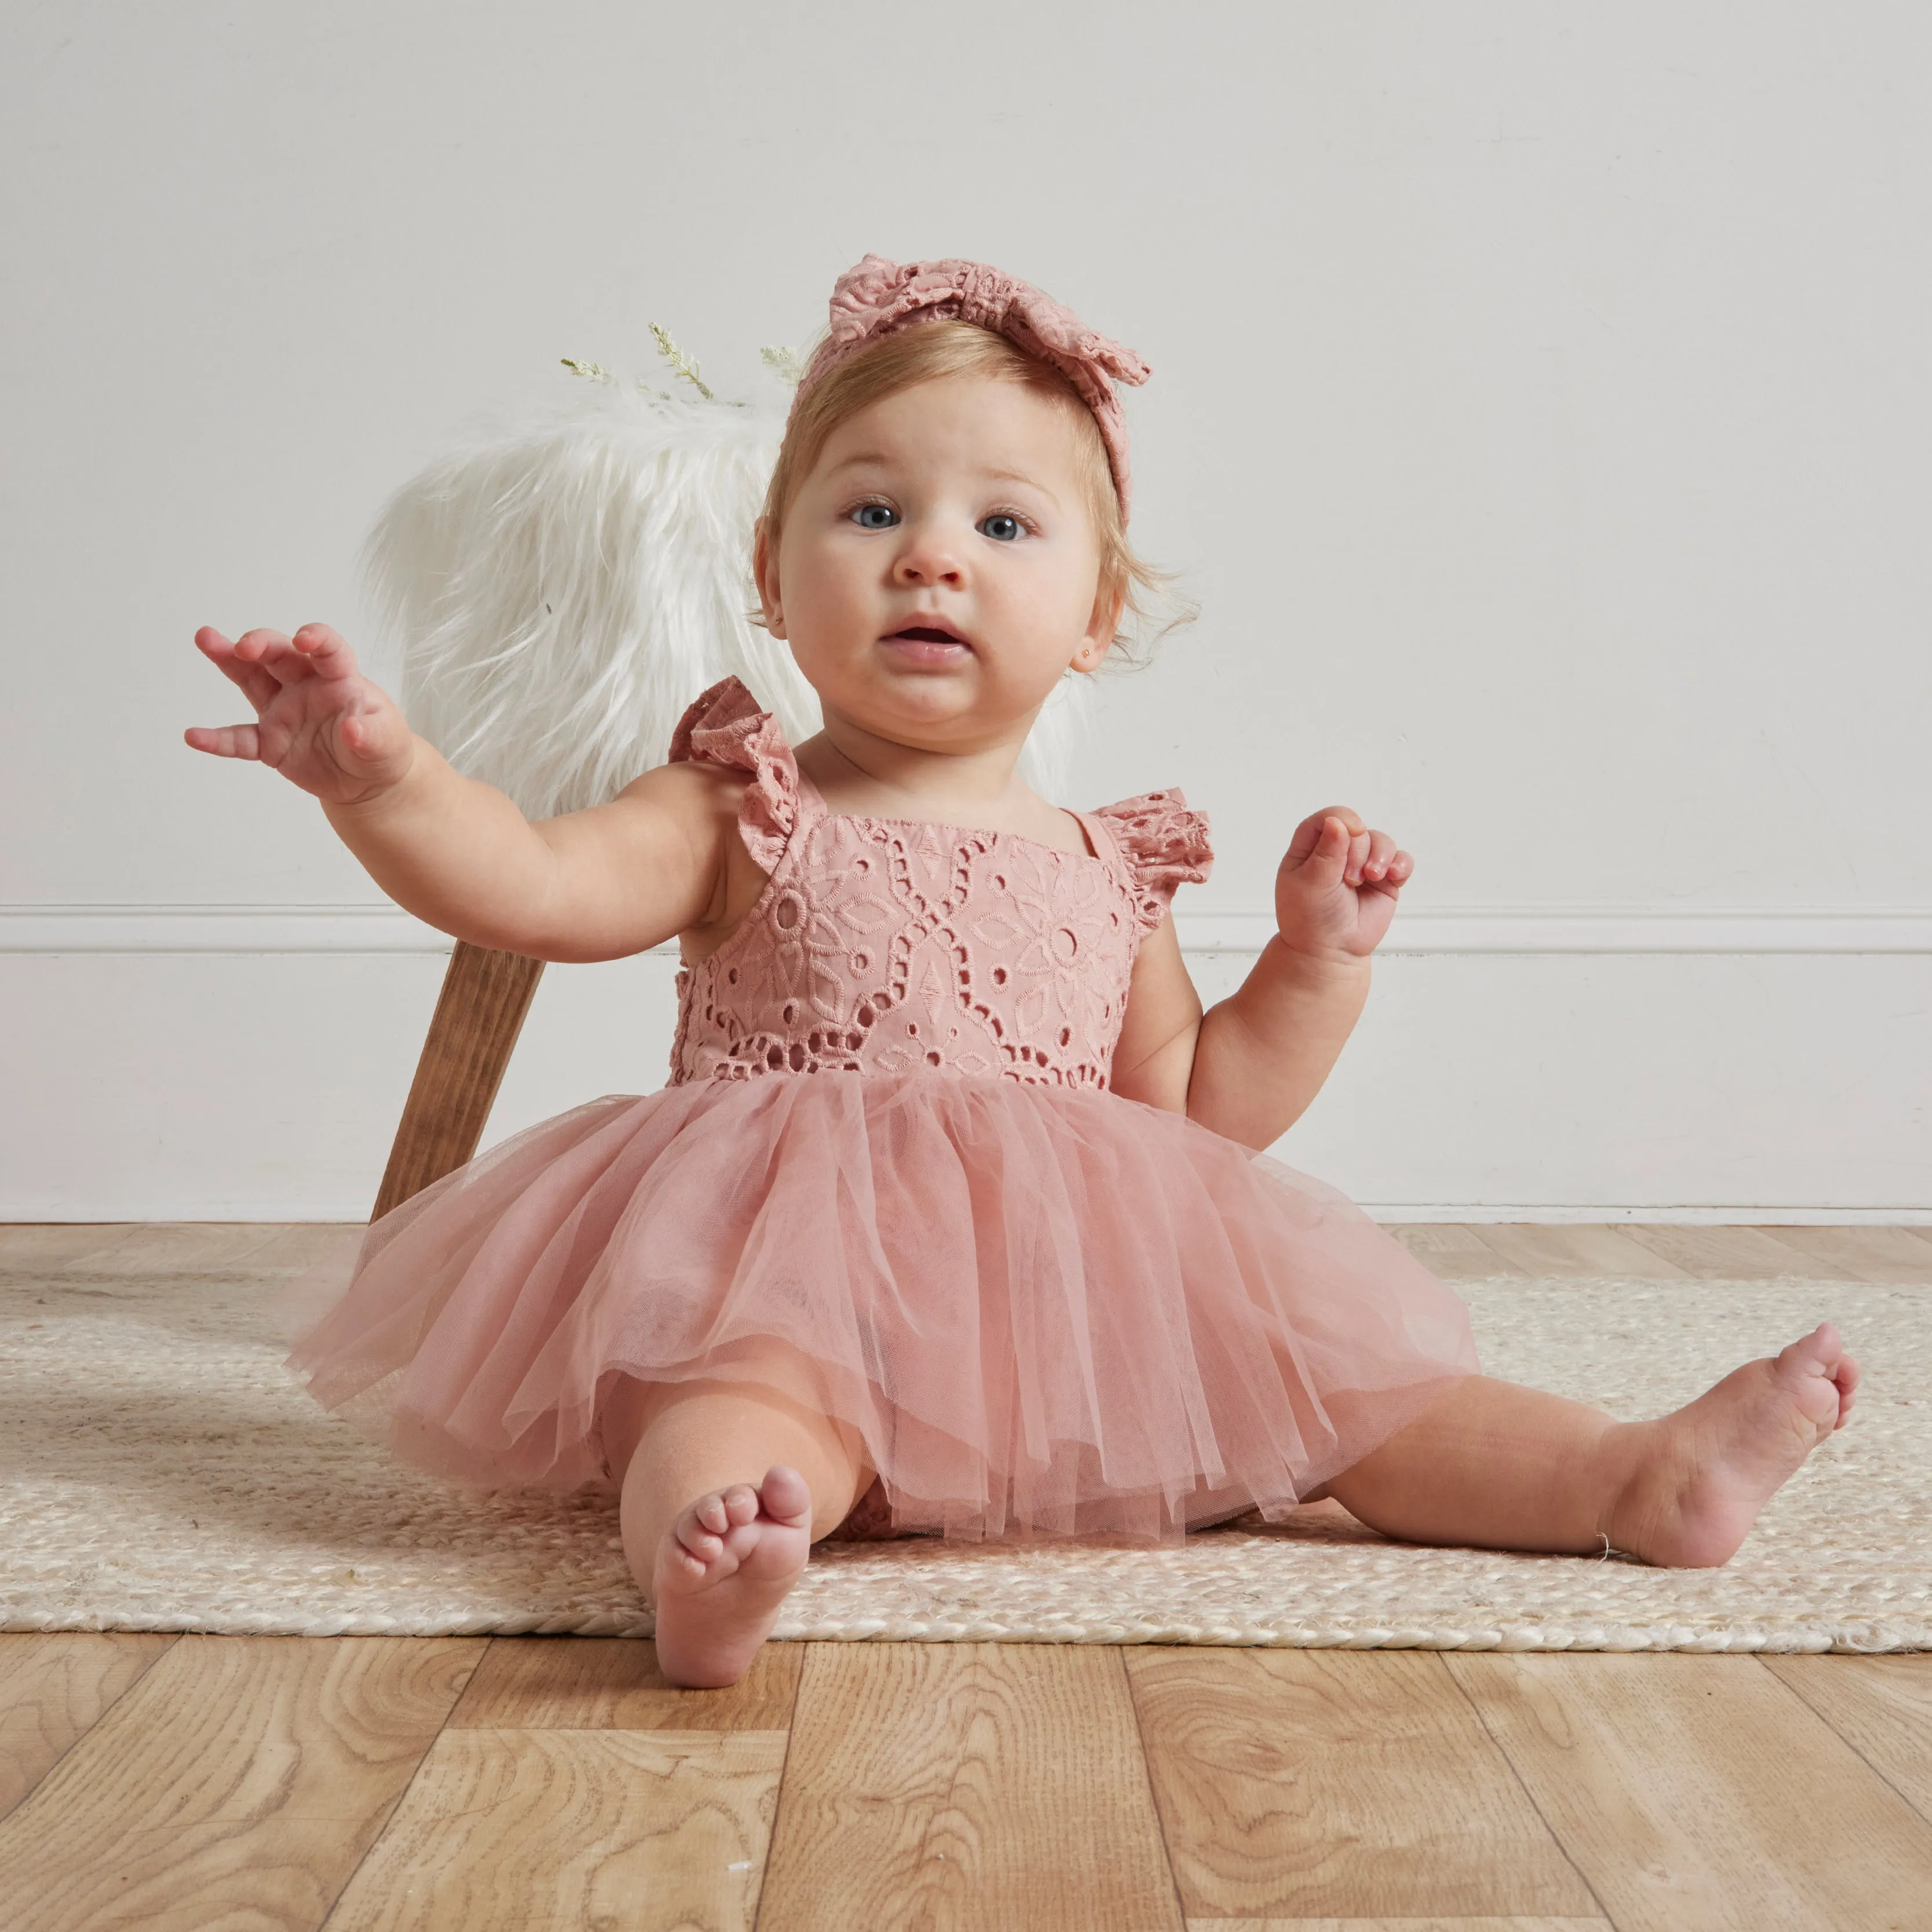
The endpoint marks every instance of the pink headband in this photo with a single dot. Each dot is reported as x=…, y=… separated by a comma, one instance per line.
x=879, y=297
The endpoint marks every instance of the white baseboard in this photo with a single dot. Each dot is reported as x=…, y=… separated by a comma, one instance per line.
x=216, y=928
x=1554, y=928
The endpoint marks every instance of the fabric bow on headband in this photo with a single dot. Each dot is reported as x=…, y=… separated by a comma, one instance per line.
x=879, y=297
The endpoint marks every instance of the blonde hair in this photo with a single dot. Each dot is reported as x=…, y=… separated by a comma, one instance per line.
x=926, y=352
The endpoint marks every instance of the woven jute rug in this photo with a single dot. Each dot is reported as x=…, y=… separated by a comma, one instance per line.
x=160, y=1471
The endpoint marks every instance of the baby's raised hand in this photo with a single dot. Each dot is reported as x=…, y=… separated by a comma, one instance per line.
x=1336, y=892
x=318, y=721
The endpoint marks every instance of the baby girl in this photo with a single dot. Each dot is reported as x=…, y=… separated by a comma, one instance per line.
x=954, y=1210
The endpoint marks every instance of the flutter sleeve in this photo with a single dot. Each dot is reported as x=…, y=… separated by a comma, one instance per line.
x=1163, y=844
x=725, y=727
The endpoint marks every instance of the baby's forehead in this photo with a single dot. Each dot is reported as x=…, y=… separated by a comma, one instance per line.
x=975, y=422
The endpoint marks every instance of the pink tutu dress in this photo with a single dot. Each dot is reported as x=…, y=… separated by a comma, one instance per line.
x=888, y=1152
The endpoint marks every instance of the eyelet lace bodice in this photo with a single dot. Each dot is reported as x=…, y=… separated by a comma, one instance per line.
x=886, y=945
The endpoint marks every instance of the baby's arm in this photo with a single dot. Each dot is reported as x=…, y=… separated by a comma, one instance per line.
x=457, y=852
x=1249, y=1066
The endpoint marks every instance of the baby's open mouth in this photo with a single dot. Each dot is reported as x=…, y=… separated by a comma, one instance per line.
x=927, y=634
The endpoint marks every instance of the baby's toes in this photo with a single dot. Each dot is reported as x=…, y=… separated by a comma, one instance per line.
x=740, y=1505
x=1821, y=1351
x=787, y=1496
x=707, y=1514
x=699, y=1531
x=1847, y=1379
x=676, y=1559
x=724, y=1511
x=1810, y=1370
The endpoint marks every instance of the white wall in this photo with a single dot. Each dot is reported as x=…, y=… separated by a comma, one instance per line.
x=1539, y=417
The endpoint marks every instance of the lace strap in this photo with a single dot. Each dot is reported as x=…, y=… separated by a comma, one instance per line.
x=1162, y=844
x=725, y=727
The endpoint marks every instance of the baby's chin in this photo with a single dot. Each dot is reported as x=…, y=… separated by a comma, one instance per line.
x=945, y=715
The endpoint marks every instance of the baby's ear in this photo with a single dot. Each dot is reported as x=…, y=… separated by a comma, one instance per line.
x=1102, y=626
x=765, y=569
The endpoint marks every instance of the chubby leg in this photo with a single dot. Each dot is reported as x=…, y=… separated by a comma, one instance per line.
x=1506, y=1468
x=726, y=1486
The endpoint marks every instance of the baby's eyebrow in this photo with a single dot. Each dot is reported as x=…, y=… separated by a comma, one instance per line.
x=864, y=456
x=878, y=459
x=1021, y=476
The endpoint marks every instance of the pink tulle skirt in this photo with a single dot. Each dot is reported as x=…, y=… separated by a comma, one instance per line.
x=1044, y=1310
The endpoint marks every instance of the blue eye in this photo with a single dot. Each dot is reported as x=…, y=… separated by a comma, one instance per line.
x=1002, y=526
x=875, y=516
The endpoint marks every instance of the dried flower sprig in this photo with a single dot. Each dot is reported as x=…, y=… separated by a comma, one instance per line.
x=679, y=361
x=787, y=364
x=597, y=373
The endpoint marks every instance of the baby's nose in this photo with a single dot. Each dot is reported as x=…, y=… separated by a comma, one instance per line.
x=927, y=560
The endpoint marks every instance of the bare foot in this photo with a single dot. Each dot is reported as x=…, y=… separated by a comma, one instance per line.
x=1703, y=1473
x=723, y=1569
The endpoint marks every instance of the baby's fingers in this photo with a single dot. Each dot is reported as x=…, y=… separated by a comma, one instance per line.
x=272, y=654
x=1385, y=864
x=225, y=741
x=1321, y=831
x=256, y=683
x=1335, y=847
x=327, y=651
x=315, y=650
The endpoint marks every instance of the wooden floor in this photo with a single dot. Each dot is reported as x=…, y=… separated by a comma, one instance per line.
x=226, y=1784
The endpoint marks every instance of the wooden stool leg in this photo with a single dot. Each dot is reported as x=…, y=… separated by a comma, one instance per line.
x=478, y=1015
